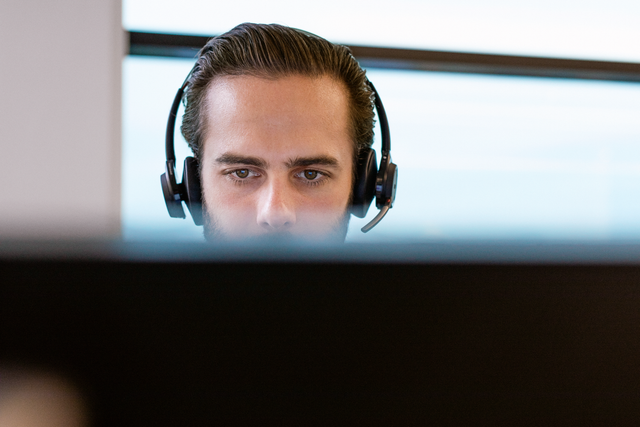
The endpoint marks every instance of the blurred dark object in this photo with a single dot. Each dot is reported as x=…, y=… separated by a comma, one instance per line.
x=35, y=398
x=502, y=336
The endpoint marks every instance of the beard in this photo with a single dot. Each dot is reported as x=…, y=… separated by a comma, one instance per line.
x=214, y=233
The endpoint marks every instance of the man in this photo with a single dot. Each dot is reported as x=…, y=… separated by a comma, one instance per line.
x=276, y=118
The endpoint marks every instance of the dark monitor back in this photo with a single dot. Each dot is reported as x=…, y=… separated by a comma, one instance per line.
x=318, y=342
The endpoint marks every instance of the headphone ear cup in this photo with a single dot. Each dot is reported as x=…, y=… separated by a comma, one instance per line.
x=193, y=190
x=364, y=187
x=171, y=199
x=387, y=195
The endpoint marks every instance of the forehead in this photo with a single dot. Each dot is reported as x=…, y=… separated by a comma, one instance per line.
x=292, y=113
x=285, y=94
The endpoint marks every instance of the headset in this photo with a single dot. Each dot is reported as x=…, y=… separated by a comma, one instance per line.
x=370, y=181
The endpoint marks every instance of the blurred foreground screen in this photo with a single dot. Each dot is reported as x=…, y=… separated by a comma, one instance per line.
x=172, y=334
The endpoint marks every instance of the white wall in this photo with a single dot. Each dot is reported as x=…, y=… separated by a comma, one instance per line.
x=60, y=118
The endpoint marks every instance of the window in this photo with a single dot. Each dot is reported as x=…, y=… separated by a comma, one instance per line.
x=479, y=156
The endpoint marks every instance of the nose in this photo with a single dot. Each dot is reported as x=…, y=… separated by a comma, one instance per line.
x=276, y=210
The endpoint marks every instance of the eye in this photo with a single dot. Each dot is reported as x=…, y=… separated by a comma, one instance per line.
x=241, y=173
x=310, y=175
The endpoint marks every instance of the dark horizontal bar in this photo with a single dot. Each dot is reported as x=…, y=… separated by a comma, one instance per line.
x=167, y=45
x=187, y=46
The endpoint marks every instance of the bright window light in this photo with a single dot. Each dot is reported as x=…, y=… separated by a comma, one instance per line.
x=588, y=29
x=478, y=156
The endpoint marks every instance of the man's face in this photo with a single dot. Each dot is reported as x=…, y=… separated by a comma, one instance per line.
x=277, y=158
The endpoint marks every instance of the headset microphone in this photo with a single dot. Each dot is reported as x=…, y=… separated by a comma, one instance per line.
x=370, y=182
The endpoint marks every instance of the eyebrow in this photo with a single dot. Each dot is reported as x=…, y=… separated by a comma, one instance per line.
x=235, y=159
x=308, y=161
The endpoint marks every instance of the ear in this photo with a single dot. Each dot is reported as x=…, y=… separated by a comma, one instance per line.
x=364, y=187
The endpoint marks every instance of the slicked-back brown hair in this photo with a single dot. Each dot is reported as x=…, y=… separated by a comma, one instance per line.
x=274, y=51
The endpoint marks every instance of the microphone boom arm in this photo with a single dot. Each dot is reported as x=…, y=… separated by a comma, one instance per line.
x=377, y=219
